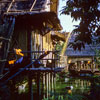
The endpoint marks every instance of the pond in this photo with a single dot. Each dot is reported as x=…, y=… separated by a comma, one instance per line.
x=69, y=88
x=56, y=87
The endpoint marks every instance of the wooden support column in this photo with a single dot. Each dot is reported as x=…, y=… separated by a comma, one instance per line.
x=29, y=48
x=47, y=84
x=6, y=45
x=54, y=76
x=52, y=83
x=38, y=86
x=44, y=85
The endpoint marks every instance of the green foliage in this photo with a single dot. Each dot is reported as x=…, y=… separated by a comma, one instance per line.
x=88, y=12
x=97, y=57
x=59, y=46
x=66, y=97
x=95, y=88
x=76, y=97
x=62, y=75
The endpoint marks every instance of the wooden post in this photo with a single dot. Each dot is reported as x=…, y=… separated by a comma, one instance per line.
x=54, y=84
x=29, y=48
x=47, y=84
x=52, y=81
x=10, y=5
x=33, y=5
x=44, y=85
x=38, y=86
x=30, y=87
x=6, y=45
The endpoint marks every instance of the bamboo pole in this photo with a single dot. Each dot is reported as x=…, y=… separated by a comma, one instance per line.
x=33, y=5
x=10, y=5
x=7, y=45
x=29, y=47
x=47, y=85
x=44, y=85
x=38, y=86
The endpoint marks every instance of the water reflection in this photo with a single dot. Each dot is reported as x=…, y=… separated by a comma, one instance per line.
x=49, y=82
x=79, y=85
x=51, y=86
x=63, y=87
x=21, y=88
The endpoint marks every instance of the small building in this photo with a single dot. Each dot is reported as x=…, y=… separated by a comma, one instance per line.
x=85, y=58
x=28, y=25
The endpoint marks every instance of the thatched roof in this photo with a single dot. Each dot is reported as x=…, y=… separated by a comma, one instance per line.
x=32, y=14
x=28, y=14
x=88, y=51
x=58, y=36
x=83, y=53
x=23, y=5
x=14, y=7
x=44, y=22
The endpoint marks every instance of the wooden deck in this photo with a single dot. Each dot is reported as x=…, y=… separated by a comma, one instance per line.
x=89, y=70
x=41, y=69
x=44, y=69
x=11, y=74
x=85, y=71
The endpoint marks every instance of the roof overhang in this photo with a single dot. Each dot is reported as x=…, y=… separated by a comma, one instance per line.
x=43, y=21
x=58, y=36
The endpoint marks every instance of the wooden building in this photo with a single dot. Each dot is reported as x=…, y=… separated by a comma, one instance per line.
x=28, y=25
x=84, y=60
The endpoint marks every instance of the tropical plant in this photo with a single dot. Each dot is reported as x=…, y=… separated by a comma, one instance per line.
x=97, y=57
x=88, y=12
x=59, y=46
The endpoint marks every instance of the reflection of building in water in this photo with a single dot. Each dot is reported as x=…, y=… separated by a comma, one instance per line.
x=80, y=85
x=48, y=87
x=61, y=89
x=49, y=83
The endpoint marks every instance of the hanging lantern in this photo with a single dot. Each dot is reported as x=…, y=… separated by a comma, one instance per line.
x=69, y=91
x=89, y=62
x=69, y=61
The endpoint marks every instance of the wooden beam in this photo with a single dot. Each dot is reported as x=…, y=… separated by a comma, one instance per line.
x=34, y=51
x=43, y=69
x=15, y=13
x=10, y=1
x=10, y=5
x=2, y=38
x=7, y=45
x=33, y=5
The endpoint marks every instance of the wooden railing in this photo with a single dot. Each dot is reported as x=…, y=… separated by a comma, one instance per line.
x=85, y=67
x=13, y=1
x=49, y=60
x=13, y=7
